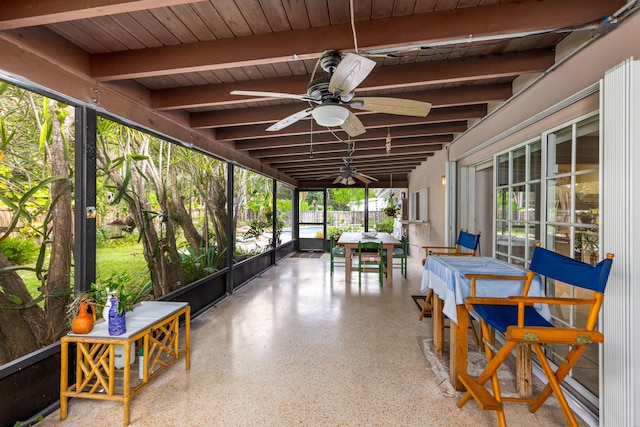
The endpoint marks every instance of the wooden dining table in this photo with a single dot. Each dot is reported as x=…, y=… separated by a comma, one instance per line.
x=350, y=242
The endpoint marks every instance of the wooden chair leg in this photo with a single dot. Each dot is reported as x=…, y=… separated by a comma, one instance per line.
x=476, y=389
x=524, y=377
x=426, y=305
x=476, y=337
x=555, y=378
x=554, y=383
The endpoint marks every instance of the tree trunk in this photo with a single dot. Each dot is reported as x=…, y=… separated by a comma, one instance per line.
x=172, y=269
x=159, y=253
x=219, y=211
x=194, y=239
x=153, y=246
x=59, y=271
x=22, y=329
x=172, y=275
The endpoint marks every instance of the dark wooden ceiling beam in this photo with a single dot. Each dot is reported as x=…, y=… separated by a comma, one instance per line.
x=442, y=26
x=369, y=121
x=379, y=169
x=341, y=147
x=397, y=159
x=333, y=173
x=404, y=183
x=446, y=129
x=379, y=172
x=368, y=161
x=334, y=168
x=20, y=13
x=404, y=75
x=373, y=153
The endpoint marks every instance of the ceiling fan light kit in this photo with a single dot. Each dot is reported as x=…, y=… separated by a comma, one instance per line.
x=347, y=181
x=330, y=115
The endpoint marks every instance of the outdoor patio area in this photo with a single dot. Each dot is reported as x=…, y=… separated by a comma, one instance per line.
x=296, y=346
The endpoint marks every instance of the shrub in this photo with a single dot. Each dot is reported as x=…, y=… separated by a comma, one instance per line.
x=200, y=263
x=385, y=226
x=19, y=251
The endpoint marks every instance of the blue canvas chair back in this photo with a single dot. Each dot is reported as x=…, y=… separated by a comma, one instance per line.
x=468, y=240
x=568, y=270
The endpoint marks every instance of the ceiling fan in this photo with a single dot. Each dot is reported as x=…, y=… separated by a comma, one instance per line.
x=348, y=173
x=334, y=93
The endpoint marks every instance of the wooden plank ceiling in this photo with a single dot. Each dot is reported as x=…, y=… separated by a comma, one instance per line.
x=460, y=55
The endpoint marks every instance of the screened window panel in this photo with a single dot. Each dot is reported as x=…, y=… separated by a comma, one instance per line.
x=502, y=170
x=559, y=151
x=587, y=145
x=519, y=202
x=533, y=201
x=535, y=160
x=559, y=200
x=502, y=203
x=519, y=167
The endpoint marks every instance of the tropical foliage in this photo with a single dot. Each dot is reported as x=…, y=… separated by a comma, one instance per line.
x=36, y=166
x=161, y=202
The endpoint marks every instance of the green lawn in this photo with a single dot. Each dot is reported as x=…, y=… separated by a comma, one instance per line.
x=122, y=258
x=109, y=260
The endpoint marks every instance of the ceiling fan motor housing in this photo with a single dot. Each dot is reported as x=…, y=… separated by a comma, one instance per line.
x=330, y=61
x=319, y=89
x=347, y=171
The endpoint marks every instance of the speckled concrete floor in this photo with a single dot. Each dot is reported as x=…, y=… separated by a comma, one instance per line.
x=298, y=347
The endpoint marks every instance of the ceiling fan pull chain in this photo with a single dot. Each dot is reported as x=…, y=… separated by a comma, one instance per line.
x=353, y=26
x=388, y=142
x=311, y=140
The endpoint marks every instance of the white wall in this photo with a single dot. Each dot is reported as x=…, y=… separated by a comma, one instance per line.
x=428, y=175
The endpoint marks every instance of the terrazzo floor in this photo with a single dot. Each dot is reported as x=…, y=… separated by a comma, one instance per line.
x=297, y=347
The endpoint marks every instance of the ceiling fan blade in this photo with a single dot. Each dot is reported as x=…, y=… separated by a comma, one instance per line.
x=337, y=180
x=399, y=106
x=353, y=126
x=365, y=178
x=288, y=121
x=261, y=94
x=349, y=73
x=362, y=178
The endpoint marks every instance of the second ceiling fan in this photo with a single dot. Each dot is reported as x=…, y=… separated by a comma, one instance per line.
x=348, y=173
x=334, y=93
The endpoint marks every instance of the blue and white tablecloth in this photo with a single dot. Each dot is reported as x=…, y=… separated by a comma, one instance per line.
x=445, y=275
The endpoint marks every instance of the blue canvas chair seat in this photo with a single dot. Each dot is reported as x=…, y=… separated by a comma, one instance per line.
x=521, y=324
x=500, y=317
x=466, y=245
